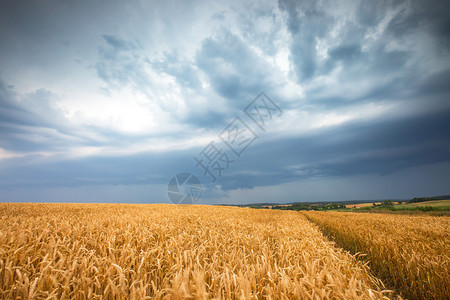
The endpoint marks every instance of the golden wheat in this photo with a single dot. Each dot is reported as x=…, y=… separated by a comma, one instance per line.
x=411, y=253
x=118, y=251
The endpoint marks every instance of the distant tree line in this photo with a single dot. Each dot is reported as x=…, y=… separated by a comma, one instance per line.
x=309, y=206
x=385, y=203
x=424, y=199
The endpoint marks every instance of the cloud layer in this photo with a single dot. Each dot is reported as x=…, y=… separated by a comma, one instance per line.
x=97, y=97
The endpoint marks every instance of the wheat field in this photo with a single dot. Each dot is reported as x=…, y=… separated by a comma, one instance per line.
x=410, y=252
x=119, y=251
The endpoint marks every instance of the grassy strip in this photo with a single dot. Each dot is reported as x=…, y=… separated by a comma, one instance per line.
x=405, y=208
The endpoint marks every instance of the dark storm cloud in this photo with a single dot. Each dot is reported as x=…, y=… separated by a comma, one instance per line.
x=403, y=24
x=436, y=84
x=94, y=170
x=32, y=125
x=306, y=22
x=265, y=38
x=208, y=119
x=379, y=147
x=234, y=71
x=433, y=15
x=183, y=71
x=118, y=44
x=309, y=21
x=120, y=64
x=345, y=52
x=10, y=111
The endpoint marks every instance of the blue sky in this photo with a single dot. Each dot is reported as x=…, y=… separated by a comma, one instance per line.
x=105, y=101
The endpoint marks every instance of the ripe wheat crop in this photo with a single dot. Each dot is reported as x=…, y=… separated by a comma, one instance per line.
x=410, y=253
x=118, y=251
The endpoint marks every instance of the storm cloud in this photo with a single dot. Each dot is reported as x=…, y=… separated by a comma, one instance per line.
x=98, y=97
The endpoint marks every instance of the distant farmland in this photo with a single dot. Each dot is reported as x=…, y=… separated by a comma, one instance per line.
x=433, y=203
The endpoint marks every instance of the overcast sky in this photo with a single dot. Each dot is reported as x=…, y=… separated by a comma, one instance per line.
x=106, y=101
